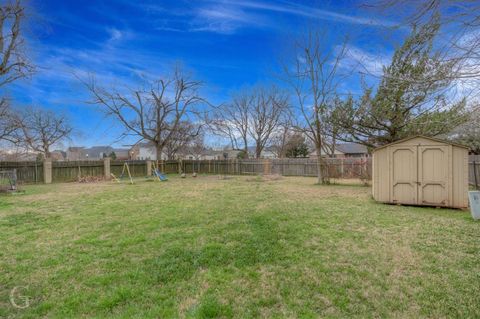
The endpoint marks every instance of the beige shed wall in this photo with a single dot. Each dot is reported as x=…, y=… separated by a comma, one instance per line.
x=456, y=175
x=460, y=177
x=381, y=175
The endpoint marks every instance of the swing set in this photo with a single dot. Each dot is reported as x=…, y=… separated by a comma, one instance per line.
x=8, y=181
x=125, y=171
x=156, y=174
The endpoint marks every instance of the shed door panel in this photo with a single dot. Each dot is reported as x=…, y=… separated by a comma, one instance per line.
x=433, y=175
x=404, y=174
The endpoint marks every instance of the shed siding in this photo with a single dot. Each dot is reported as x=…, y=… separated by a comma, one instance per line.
x=440, y=171
x=460, y=177
x=382, y=176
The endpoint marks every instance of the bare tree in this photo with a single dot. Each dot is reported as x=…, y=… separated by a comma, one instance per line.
x=253, y=115
x=196, y=148
x=278, y=143
x=232, y=120
x=268, y=110
x=13, y=61
x=154, y=113
x=40, y=130
x=315, y=78
x=8, y=123
x=182, y=137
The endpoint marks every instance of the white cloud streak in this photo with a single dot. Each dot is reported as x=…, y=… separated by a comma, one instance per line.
x=312, y=12
x=228, y=16
x=365, y=62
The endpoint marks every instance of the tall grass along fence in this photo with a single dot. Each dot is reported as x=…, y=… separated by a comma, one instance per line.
x=474, y=171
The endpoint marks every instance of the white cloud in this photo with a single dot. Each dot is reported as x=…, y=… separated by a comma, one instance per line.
x=225, y=19
x=229, y=16
x=310, y=12
x=115, y=34
x=365, y=62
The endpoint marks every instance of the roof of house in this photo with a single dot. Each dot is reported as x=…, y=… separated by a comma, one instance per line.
x=144, y=144
x=96, y=151
x=352, y=148
x=121, y=151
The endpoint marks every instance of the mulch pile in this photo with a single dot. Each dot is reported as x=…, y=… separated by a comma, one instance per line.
x=91, y=179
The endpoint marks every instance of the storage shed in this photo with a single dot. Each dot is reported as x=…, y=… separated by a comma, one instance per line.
x=421, y=171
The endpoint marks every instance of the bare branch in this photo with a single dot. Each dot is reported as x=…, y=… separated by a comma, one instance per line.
x=157, y=113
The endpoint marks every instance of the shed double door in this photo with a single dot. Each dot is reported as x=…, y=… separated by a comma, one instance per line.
x=420, y=175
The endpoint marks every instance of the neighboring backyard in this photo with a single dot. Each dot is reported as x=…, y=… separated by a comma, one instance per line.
x=240, y=247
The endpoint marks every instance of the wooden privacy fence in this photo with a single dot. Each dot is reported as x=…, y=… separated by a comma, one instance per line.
x=27, y=172
x=67, y=171
x=137, y=168
x=474, y=171
x=333, y=168
x=71, y=170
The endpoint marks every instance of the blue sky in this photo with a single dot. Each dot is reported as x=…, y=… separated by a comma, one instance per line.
x=226, y=44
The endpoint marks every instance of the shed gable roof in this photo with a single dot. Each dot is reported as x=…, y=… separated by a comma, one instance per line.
x=421, y=136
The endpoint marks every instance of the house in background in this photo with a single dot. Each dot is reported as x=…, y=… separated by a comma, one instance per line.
x=96, y=153
x=123, y=154
x=347, y=150
x=75, y=153
x=267, y=152
x=145, y=151
x=58, y=155
x=15, y=155
x=196, y=153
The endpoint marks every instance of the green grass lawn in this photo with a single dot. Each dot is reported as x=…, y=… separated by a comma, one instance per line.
x=240, y=247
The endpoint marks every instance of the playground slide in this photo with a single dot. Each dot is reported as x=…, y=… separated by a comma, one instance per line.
x=160, y=176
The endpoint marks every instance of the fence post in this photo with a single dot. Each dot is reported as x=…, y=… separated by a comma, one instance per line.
x=47, y=171
x=14, y=186
x=149, y=167
x=475, y=174
x=106, y=167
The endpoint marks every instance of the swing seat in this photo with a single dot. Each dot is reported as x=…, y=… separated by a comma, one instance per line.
x=162, y=177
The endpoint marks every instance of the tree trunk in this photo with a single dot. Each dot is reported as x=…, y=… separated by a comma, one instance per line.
x=158, y=151
x=320, y=179
x=245, y=148
x=258, y=151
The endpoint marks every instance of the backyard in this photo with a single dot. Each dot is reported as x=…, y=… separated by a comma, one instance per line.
x=237, y=247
